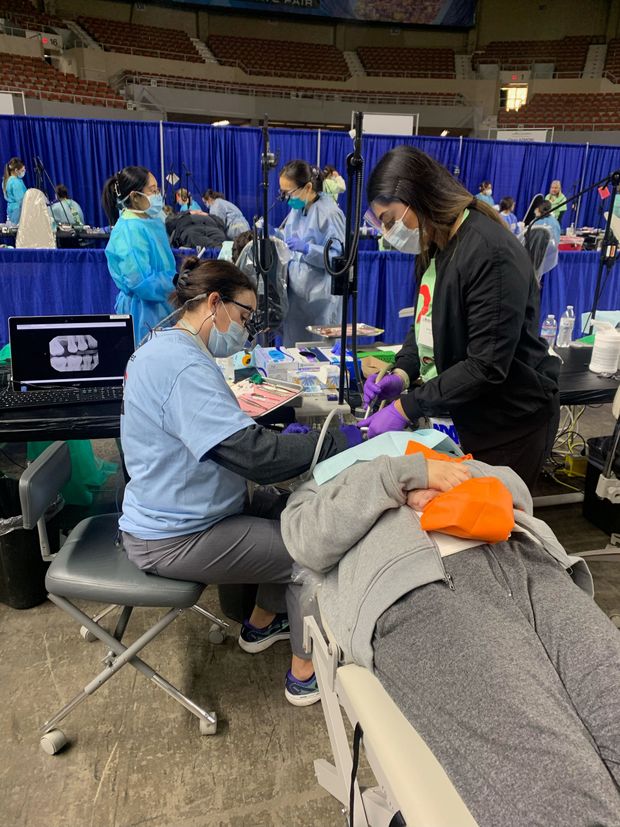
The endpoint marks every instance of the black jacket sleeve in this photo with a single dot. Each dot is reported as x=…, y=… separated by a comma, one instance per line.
x=495, y=302
x=407, y=358
x=263, y=456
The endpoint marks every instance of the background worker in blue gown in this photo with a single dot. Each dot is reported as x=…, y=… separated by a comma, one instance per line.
x=139, y=257
x=234, y=220
x=314, y=219
x=14, y=188
x=185, y=201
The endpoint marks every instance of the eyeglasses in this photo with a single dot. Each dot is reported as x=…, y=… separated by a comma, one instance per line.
x=284, y=195
x=246, y=320
x=378, y=224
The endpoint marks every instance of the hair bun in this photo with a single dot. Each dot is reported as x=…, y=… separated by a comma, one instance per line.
x=190, y=263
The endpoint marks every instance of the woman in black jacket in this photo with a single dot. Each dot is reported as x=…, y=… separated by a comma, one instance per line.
x=473, y=351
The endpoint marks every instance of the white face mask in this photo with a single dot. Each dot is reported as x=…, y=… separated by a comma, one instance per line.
x=403, y=238
x=488, y=191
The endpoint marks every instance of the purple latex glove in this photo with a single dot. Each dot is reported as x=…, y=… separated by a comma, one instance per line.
x=296, y=428
x=353, y=435
x=387, y=419
x=298, y=245
x=387, y=388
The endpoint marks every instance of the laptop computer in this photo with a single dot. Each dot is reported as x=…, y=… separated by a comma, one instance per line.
x=65, y=359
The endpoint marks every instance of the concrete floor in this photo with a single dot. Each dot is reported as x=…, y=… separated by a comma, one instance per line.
x=136, y=757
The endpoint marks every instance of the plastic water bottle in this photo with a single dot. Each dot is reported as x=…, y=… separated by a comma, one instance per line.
x=549, y=330
x=567, y=323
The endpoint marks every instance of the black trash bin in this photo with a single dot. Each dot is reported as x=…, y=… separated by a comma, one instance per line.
x=604, y=514
x=22, y=569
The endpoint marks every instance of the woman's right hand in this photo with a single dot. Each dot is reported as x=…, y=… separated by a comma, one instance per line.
x=388, y=388
x=445, y=475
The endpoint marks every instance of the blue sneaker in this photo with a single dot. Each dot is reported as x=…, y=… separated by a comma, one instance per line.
x=255, y=640
x=301, y=693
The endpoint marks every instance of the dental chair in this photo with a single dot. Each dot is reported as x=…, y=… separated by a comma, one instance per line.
x=91, y=566
x=412, y=788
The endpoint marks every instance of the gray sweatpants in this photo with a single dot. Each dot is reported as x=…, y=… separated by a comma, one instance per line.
x=513, y=680
x=247, y=548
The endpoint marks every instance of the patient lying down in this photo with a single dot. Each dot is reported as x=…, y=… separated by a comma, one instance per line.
x=494, y=650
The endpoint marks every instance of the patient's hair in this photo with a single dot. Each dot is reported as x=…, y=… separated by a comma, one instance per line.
x=507, y=203
x=545, y=207
x=62, y=191
x=198, y=277
x=239, y=244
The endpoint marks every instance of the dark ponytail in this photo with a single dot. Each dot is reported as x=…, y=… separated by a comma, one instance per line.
x=302, y=174
x=9, y=168
x=197, y=278
x=119, y=187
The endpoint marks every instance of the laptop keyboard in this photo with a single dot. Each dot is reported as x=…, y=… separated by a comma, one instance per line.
x=10, y=399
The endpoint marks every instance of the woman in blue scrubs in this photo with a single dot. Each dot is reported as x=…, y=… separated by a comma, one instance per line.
x=139, y=257
x=185, y=201
x=14, y=188
x=189, y=449
x=314, y=219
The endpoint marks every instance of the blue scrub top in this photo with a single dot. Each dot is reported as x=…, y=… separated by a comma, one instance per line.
x=67, y=211
x=488, y=199
x=231, y=215
x=14, y=194
x=141, y=264
x=192, y=206
x=176, y=408
x=553, y=224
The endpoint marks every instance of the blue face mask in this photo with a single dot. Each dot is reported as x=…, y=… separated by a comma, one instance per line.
x=296, y=203
x=156, y=202
x=223, y=344
x=21, y=173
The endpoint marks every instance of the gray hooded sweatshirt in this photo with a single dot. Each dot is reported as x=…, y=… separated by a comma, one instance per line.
x=358, y=534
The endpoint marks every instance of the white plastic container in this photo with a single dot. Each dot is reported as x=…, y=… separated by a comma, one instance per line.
x=606, y=350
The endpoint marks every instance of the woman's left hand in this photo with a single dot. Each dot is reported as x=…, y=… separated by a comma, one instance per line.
x=390, y=418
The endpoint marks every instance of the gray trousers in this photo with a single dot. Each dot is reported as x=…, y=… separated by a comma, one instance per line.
x=247, y=548
x=513, y=680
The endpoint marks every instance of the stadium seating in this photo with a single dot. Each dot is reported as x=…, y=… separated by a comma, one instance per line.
x=37, y=79
x=22, y=14
x=612, y=61
x=278, y=91
x=568, y=55
x=402, y=62
x=135, y=39
x=570, y=112
x=280, y=58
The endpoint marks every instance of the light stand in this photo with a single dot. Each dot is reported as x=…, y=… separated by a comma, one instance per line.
x=609, y=247
x=42, y=177
x=262, y=252
x=188, y=177
x=343, y=269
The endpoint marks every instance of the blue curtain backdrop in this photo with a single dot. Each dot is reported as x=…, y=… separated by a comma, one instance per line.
x=42, y=282
x=79, y=153
x=83, y=153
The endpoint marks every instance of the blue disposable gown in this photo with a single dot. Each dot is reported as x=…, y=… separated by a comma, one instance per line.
x=231, y=215
x=142, y=265
x=488, y=199
x=553, y=224
x=14, y=194
x=193, y=206
x=309, y=285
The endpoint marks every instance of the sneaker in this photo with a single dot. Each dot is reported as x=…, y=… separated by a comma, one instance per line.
x=255, y=640
x=301, y=693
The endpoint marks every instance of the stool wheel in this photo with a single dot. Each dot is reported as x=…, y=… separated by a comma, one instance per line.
x=87, y=634
x=207, y=728
x=53, y=741
x=615, y=619
x=216, y=635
